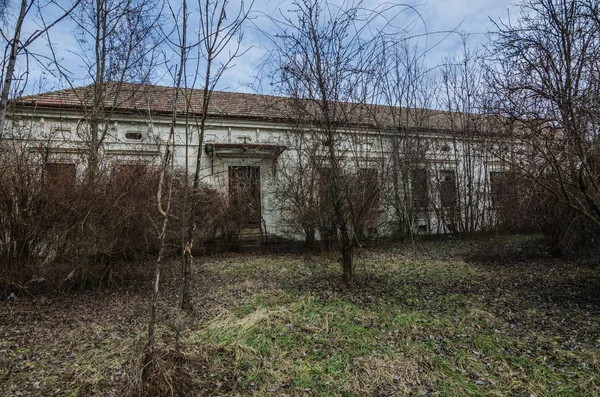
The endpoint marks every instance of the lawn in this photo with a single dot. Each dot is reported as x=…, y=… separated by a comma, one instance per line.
x=446, y=318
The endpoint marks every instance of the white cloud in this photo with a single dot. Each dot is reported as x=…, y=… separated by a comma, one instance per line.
x=439, y=15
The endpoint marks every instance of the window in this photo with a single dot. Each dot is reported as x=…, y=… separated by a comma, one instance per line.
x=448, y=188
x=244, y=138
x=503, y=187
x=368, y=186
x=325, y=177
x=366, y=200
x=133, y=136
x=497, y=187
x=419, y=188
x=60, y=177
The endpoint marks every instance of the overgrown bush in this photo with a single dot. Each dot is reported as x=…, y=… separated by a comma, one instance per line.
x=70, y=229
x=564, y=229
x=23, y=235
x=74, y=231
x=517, y=204
x=530, y=208
x=218, y=224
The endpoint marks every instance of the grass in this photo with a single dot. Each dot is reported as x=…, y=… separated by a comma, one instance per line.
x=408, y=326
x=433, y=323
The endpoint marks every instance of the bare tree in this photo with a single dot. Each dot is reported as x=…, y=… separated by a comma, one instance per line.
x=545, y=77
x=463, y=159
x=165, y=183
x=218, y=46
x=163, y=198
x=117, y=40
x=16, y=44
x=406, y=87
x=324, y=59
x=296, y=187
x=215, y=38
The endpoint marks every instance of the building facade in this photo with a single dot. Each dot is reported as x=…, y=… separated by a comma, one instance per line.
x=417, y=171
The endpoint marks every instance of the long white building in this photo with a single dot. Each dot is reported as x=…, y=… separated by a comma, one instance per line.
x=433, y=171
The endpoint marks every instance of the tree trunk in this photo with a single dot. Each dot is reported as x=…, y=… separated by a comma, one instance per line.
x=10, y=66
x=347, y=258
x=154, y=302
x=186, y=268
x=191, y=227
x=309, y=236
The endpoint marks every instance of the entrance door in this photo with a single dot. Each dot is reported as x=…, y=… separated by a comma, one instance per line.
x=244, y=194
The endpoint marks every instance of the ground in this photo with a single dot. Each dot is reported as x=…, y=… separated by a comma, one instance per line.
x=447, y=318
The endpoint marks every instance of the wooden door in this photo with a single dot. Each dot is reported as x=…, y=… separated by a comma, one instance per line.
x=244, y=194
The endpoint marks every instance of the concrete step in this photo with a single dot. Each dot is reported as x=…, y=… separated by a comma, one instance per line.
x=250, y=238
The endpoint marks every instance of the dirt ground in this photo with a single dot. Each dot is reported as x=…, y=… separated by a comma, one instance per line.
x=529, y=324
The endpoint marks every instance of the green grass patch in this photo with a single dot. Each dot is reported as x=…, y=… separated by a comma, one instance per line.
x=407, y=326
x=421, y=322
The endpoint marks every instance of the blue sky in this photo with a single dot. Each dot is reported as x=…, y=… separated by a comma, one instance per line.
x=437, y=15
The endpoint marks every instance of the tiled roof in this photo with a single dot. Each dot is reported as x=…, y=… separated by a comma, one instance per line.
x=144, y=99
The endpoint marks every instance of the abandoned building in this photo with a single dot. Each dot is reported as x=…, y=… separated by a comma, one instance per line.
x=436, y=170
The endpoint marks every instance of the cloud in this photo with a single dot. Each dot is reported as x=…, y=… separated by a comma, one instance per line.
x=439, y=17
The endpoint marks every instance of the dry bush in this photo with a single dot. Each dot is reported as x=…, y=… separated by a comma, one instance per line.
x=530, y=208
x=74, y=230
x=307, y=208
x=170, y=373
x=516, y=203
x=218, y=223
x=23, y=210
x=564, y=229
x=109, y=224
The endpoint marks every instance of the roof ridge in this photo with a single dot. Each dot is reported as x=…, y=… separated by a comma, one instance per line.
x=142, y=99
x=145, y=85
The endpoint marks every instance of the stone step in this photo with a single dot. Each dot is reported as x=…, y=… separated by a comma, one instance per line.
x=250, y=238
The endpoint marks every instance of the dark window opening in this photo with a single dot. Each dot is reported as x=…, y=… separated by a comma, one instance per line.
x=368, y=187
x=504, y=187
x=325, y=178
x=419, y=188
x=60, y=177
x=366, y=202
x=448, y=196
x=134, y=136
x=497, y=187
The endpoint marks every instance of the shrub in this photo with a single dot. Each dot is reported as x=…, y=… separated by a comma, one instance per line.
x=61, y=224
x=75, y=231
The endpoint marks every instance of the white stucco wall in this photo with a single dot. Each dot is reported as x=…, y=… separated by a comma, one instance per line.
x=63, y=134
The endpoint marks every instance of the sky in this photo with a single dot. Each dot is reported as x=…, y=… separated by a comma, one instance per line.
x=468, y=16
